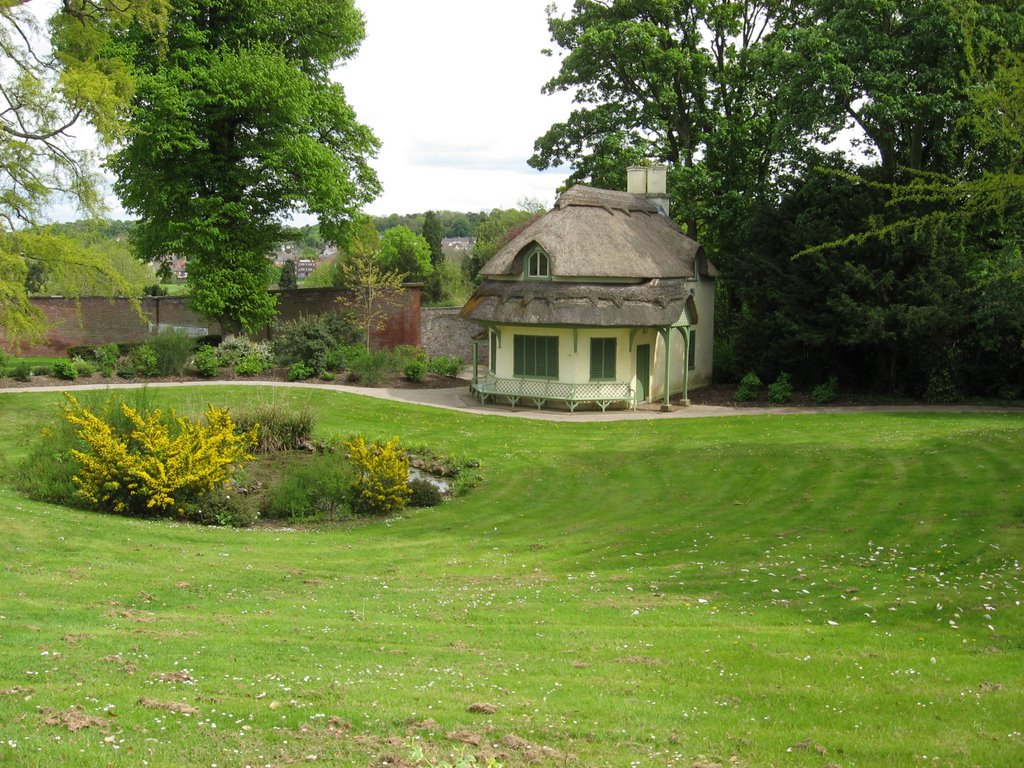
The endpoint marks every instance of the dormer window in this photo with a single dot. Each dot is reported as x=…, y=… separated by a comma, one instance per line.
x=538, y=265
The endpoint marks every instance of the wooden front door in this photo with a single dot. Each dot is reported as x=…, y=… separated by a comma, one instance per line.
x=643, y=372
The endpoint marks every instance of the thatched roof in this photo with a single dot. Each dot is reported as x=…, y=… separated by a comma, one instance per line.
x=598, y=233
x=653, y=303
x=615, y=261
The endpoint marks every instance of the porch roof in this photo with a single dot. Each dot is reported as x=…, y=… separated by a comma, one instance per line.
x=655, y=303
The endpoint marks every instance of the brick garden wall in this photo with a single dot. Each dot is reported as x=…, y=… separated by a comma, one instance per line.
x=94, y=321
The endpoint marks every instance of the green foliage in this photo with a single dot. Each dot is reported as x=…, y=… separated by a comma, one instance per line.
x=206, y=362
x=106, y=359
x=371, y=369
x=252, y=365
x=279, y=428
x=143, y=360
x=373, y=290
x=234, y=350
x=941, y=387
x=300, y=372
x=221, y=506
x=380, y=482
x=314, y=341
x=423, y=493
x=826, y=392
x=65, y=369
x=318, y=489
x=415, y=370
x=405, y=252
x=445, y=365
x=749, y=388
x=212, y=170
x=22, y=371
x=781, y=390
x=173, y=351
x=496, y=230
x=288, y=279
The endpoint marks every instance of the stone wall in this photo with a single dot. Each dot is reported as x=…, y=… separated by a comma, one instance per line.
x=445, y=332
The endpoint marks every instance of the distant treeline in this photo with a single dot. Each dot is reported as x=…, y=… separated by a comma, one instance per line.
x=455, y=223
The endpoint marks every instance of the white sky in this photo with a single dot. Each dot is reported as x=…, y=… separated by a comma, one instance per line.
x=452, y=90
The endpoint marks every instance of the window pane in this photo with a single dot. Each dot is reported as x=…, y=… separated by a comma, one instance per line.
x=602, y=358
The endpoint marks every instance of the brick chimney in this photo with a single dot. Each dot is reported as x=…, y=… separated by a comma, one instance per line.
x=651, y=181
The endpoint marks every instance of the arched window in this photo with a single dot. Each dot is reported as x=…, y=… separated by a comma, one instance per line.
x=538, y=265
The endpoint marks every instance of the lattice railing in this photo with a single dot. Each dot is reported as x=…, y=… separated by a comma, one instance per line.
x=601, y=393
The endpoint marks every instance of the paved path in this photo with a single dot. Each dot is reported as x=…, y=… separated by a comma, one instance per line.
x=459, y=399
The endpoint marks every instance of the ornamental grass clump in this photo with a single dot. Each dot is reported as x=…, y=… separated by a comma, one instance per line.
x=156, y=464
x=380, y=482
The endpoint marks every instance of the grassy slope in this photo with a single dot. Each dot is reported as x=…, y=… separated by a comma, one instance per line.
x=771, y=591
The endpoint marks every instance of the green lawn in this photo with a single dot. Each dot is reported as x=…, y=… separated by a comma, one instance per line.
x=835, y=590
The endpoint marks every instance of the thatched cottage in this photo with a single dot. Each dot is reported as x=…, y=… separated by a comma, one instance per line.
x=602, y=300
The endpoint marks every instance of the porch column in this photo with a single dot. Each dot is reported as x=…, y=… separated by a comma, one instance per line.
x=686, y=331
x=476, y=364
x=667, y=333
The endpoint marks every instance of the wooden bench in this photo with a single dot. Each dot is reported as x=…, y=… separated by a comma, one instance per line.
x=540, y=391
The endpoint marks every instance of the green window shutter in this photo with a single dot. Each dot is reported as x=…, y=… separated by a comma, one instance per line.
x=535, y=356
x=602, y=359
x=551, y=369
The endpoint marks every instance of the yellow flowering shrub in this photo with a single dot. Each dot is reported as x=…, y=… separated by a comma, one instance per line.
x=156, y=463
x=381, y=476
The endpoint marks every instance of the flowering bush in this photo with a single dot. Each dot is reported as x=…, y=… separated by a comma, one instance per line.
x=155, y=464
x=380, y=481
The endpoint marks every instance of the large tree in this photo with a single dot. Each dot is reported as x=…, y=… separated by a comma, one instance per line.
x=236, y=124
x=48, y=89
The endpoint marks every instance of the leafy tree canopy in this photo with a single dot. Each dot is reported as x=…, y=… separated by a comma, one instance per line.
x=48, y=89
x=235, y=124
x=402, y=250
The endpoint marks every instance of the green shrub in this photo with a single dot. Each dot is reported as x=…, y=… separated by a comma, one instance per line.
x=827, y=392
x=941, y=388
x=300, y=372
x=380, y=476
x=314, y=341
x=415, y=371
x=106, y=359
x=42, y=370
x=372, y=369
x=252, y=365
x=317, y=489
x=83, y=351
x=173, y=350
x=280, y=429
x=424, y=493
x=47, y=470
x=238, y=349
x=445, y=365
x=206, y=362
x=749, y=389
x=83, y=367
x=65, y=369
x=781, y=390
x=222, y=506
x=22, y=371
x=328, y=376
x=143, y=360
x=5, y=363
